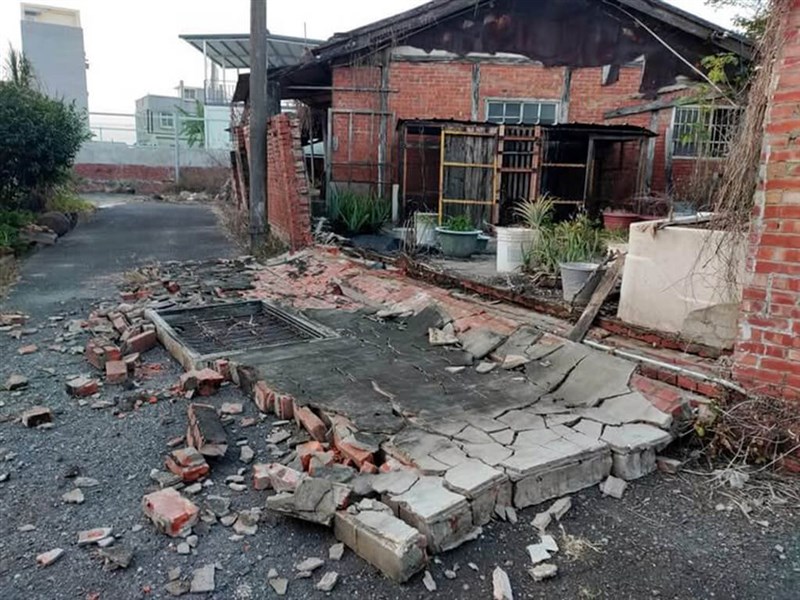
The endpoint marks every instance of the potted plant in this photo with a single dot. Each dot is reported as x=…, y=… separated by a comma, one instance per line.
x=458, y=238
x=574, y=248
x=514, y=244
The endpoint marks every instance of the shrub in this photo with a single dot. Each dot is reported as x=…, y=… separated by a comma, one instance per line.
x=39, y=138
x=458, y=223
x=66, y=201
x=536, y=214
x=577, y=240
x=356, y=213
x=11, y=221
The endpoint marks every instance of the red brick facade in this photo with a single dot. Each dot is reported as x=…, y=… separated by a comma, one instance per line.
x=460, y=90
x=767, y=358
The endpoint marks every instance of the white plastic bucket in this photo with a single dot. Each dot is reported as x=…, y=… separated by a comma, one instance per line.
x=513, y=246
x=425, y=228
x=576, y=281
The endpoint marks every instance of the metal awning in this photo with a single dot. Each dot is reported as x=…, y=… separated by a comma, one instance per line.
x=232, y=51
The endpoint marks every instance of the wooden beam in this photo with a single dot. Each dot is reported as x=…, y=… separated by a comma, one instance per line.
x=642, y=108
x=606, y=285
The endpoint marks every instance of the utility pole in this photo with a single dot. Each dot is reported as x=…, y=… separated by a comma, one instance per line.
x=259, y=218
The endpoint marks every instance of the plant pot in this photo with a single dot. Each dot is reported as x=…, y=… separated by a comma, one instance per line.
x=620, y=221
x=425, y=228
x=575, y=281
x=458, y=244
x=513, y=246
x=483, y=244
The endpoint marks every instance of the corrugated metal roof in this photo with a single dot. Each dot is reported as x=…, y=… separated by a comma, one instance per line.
x=232, y=51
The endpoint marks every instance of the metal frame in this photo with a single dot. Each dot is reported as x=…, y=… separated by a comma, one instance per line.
x=557, y=104
x=443, y=165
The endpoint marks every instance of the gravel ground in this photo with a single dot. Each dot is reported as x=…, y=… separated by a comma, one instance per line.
x=667, y=538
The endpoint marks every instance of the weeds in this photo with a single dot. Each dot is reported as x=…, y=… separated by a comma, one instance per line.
x=459, y=223
x=66, y=201
x=578, y=240
x=356, y=213
x=11, y=222
x=536, y=214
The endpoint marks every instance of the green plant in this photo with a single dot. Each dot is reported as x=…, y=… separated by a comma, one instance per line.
x=19, y=69
x=358, y=213
x=577, y=240
x=39, y=139
x=459, y=223
x=536, y=214
x=11, y=222
x=65, y=200
x=193, y=126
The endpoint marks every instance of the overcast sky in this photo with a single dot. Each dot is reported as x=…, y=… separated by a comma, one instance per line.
x=133, y=46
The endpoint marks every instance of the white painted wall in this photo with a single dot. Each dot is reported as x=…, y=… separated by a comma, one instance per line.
x=111, y=153
x=218, y=122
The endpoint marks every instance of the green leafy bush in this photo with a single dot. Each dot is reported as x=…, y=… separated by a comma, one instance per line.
x=66, y=201
x=577, y=240
x=458, y=223
x=39, y=139
x=11, y=221
x=536, y=214
x=356, y=213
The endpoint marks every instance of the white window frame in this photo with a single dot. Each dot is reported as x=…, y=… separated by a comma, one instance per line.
x=522, y=102
x=166, y=120
x=689, y=145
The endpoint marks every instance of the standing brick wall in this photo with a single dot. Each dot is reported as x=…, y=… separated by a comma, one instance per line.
x=767, y=356
x=289, y=201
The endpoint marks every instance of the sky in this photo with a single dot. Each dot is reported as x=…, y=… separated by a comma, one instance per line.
x=133, y=47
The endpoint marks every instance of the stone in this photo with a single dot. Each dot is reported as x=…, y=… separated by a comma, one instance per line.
x=48, y=558
x=328, y=581
x=246, y=523
x=177, y=587
x=93, y=536
x=429, y=582
x=670, y=466
x=446, y=336
x=560, y=508
x=30, y=349
x=511, y=515
x=314, y=500
x=85, y=482
x=371, y=531
x=549, y=543
x=501, y=585
x=481, y=342
x=538, y=553
x=184, y=548
x=542, y=521
x=164, y=479
x=231, y=408
x=485, y=368
x=336, y=552
x=15, y=382
x=106, y=542
x=279, y=585
x=36, y=416
x=26, y=528
x=614, y=487
x=171, y=513
x=542, y=572
x=482, y=485
x=194, y=489
x=309, y=564
x=450, y=574
x=116, y=557
x=203, y=580
x=442, y=516
x=246, y=454
x=192, y=540
x=73, y=497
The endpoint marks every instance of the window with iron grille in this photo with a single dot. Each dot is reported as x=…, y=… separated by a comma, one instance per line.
x=704, y=131
x=166, y=120
x=521, y=112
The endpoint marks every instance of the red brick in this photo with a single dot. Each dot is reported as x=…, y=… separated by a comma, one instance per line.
x=305, y=451
x=284, y=406
x=171, y=513
x=82, y=387
x=264, y=397
x=141, y=342
x=188, y=464
x=306, y=418
x=116, y=372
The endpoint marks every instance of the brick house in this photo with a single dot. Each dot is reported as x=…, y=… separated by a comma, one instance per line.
x=516, y=63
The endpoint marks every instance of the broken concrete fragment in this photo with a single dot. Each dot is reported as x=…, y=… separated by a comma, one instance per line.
x=231, y=408
x=164, y=479
x=73, y=497
x=542, y=521
x=512, y=362
x=481, y=342
x=93, y=536
x=429, y=582
x=48, y=558
x=670, y=466
x=634, y=448
x=170, y=512
x=614, y=487
x=482, y=485
x=15, y=382
x=177, y=587
x=336, y=552
x=485, y=368
x=542, y=572
x=446, y=336
x=37, y=415
x=280, y=585
x=85, y=482
x=538, y=553
x=188, y=464
x=246, y=454
x=371, y=531
x=205, y=431
x=219, y=505
x=203, y=580
x=247, y=522
x=116, y=557
x=314, y=500
x=309, y=564
x=501, y=585
x=560, y=507
x=328, y=581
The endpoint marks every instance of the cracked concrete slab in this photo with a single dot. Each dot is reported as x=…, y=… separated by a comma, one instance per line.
x=519, y=342
x=596, y=377
x=492, y=454
x=523, y=420
x=630, y=408
x=480, y=343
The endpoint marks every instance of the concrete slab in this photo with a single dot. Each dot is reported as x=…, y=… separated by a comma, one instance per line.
x=482, y=485
x=522, y=420
x=481, y=342
x=634, y=449
x=596, y=377
x=492, y=454
x=416, y=447
x=519, y=342
x=630, y=408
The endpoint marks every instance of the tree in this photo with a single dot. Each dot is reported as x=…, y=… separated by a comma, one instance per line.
x=39, y=139
x=751, y=15
x=193, y=126
x=19, y=69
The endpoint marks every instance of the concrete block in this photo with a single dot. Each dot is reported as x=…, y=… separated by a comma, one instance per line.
x=376, y=535
x=634, y=448
x=481, y=485
x=558, y=481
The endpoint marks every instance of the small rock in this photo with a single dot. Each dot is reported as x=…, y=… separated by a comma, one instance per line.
x=560, y=507
x=86, y=482
x=231, y=408
x=73, y=497
x=614, y=487
x=542, y=572
x=26, y=528
x=272, y=574
x=246, y=523
x=538, y=553
x=193, y=489
x=219, y=505
x=542, y=521
x=669, y=466
x=280, y=586
x=549, y=543
x=246, y=455
x=36, y=416
x=30, y=349
x=450, y=574
x=336, y=552
x=92, y=536
x=203, y=580
x=309, y=564
x=118, y=557
x=237, y=487
x=177, y=588
x=184, y=548
x=430, y=583
x=174, y=574
x=106, y=542
x=328, y=581
x=473, y=566
x=485, y=368
x=501, y=585
x=48, y=558
x=454, y=370
x=511, y=515
x=228, y=520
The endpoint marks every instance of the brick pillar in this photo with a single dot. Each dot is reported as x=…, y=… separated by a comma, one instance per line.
x=767, y=356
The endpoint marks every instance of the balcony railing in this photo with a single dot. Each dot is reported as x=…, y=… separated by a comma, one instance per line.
x=217, y=93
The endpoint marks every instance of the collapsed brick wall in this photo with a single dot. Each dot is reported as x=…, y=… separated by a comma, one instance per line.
x=767, y=356
x=460, y=90
x=289, y=200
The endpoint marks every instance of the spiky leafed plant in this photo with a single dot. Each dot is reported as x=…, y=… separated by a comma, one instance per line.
x=19, y=69
x=193, y=126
